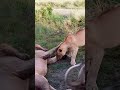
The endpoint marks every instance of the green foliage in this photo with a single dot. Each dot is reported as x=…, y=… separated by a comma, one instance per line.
x=67, y=4
x=46, y=12
x=47, y=37
x=58, y=22
x=76, y=23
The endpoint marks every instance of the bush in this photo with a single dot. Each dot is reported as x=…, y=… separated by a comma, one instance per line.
x=46, y=12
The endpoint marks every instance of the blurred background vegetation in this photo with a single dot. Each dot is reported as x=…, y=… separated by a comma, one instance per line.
x=17, y=24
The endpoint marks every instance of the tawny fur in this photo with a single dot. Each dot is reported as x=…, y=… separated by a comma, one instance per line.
x=11, y=62
x=71, y=45
x=41, y=68
x=102, y=32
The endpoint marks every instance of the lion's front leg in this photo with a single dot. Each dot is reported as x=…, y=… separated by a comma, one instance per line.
x=96, y=59
x=73, y=55
x=52, y=60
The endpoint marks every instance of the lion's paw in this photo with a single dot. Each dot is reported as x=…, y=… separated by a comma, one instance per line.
x=23, y=56
x=72, y=63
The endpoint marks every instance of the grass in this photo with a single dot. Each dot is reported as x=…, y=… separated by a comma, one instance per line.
x=61, y=4
x=50, y=38
x=51, y=29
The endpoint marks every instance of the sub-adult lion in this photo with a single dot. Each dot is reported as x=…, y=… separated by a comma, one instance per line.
x=102, y=32
x=41, y=82
x=71, y=45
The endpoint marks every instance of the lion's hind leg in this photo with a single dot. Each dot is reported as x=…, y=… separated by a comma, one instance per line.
x=41, y=83
x=7, y=50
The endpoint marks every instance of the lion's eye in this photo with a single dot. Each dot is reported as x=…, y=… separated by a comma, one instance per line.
x=60, y=50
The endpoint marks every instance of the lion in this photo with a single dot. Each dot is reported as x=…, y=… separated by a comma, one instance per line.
x=41, y=82
x=102, y=32
x=71, y=45
x=15, y=67
x=7, y=50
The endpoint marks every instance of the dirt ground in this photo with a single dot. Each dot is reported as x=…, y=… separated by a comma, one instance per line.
x=108, y=77
x=56, y=75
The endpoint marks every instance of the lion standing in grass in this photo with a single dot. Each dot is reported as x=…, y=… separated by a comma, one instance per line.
x=71, y=45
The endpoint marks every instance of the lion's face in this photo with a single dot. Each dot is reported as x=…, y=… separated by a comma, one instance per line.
x=61, y=51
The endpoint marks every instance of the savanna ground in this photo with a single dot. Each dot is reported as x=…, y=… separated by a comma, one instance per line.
x=54, y=20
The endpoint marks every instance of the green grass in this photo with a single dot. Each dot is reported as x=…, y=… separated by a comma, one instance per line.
x=46, y=37
x=67, y=4
x=49, y=38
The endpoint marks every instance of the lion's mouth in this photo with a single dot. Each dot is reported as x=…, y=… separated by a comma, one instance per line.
x=59, y=57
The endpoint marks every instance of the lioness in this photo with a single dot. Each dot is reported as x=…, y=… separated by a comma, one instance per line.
x=71, y=45
x=41, y=82
x=102, y=32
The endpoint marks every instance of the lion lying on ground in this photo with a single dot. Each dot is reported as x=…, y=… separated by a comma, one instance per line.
x=6, y=50
x=41, y=82
x=71, y=45
x=14, y=68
